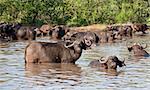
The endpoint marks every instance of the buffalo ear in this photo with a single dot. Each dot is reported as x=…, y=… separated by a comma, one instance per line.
x=129, y=49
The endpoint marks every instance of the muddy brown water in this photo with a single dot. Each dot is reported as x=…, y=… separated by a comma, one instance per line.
x=15, y=75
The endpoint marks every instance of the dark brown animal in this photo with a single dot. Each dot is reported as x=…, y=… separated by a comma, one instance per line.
x=112, y=28
x=58, y=32
x=44, y=30
x=107, y=37
x=89, y=37
x=46, y=52
x=103, y=37
x=7, y=32
x=123, y=32
x=26, y=33
x=107, y=63
x=138, y=49
x=128, y=30
x=138, y=27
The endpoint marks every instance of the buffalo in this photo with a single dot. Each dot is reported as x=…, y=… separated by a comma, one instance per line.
x=138, y=49
x=58, y=32
x=124, y=31
x=138, y=27
x=8, y=30
x=26, y=33
x=16, y=31
x=107, y=63
x=89, y=37
x=60, y=52
x=44, y=30
x=103, y=37
x=112, y=28
x=106, y=37
x=68, y=35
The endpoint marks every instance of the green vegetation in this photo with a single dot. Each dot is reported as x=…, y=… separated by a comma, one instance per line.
x=75, y=12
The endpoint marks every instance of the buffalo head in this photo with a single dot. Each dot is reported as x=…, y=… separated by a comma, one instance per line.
x=88, y=38
x=138, y=49
x=107, y=63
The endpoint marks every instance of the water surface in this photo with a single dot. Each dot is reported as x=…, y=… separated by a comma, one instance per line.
x=16, y=75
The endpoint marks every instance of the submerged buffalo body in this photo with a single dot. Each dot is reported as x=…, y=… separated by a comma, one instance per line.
x=26, y=33
x=89, y=37
x=42, y=52
x=140, y=28
x=8, y=31
x=58, y=32
x=44, y=29
x=138, y=50
x=107, y=63
x=107, y=37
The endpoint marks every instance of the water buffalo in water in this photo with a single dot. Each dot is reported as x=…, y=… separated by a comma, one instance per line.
x=107, y=63
x=107, y=37
x=6, y=31
x=16, y=31
x=4, y=39
x=112, y=28
x=58, y=32
x=138, y=49
x=44, y=30
x=124, y=31
x=26, y=33
x=46, y=52
x=139, y=28
x=90, y=37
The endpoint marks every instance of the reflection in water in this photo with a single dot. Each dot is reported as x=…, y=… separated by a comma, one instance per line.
x=4, y=45
x=54, y=73
x=110, y=72
x=54, y=68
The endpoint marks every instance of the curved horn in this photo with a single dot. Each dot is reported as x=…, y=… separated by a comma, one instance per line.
x=70, y=44
x=102, y=61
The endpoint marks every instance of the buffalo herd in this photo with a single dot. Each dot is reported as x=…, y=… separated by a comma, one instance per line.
x=70, y=43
